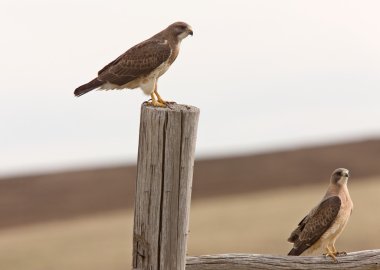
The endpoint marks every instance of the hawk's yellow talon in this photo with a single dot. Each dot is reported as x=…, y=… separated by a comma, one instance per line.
x=156, y=103
x=331, y=254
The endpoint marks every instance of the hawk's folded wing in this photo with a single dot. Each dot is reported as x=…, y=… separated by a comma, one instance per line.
x=139, y=60
x=314, y=225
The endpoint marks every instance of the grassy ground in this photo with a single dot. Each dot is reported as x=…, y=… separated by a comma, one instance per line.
x=253, y=223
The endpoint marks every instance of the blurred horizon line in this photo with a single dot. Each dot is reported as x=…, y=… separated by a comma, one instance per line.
x=215, y=155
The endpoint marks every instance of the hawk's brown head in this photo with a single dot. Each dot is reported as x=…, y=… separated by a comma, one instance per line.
x=180, y=30
x=340, y=176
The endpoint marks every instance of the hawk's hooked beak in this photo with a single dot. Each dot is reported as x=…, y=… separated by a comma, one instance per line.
x=190, y=31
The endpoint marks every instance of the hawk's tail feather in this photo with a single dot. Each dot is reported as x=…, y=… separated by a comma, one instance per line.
x=83, y=89
x=298, y=250
x=293, y=252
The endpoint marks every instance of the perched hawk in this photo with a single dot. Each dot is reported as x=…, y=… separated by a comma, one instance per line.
x=142, y=65
x=323, y=225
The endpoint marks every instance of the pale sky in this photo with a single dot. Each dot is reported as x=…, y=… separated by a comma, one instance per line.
x=266, y=75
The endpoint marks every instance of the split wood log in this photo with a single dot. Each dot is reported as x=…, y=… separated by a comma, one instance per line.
x=163, y=186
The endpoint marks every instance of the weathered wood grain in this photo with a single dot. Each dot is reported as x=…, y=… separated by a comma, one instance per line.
x=163, y=186
x=361, y=260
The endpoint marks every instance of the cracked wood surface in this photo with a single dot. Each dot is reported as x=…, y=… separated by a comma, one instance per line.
x=360, y=260
x=163, y=186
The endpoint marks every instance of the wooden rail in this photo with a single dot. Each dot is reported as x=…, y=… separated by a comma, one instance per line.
x=163, y=187
x=361, y=260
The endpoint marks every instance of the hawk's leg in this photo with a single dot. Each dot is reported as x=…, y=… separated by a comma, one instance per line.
x=331, y=254
x=156, y=103
x=337, y=253
x=159, y=97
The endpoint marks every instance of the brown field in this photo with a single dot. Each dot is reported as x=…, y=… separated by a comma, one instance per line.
x=59, y=196
x=83, y=219
x=256, y=222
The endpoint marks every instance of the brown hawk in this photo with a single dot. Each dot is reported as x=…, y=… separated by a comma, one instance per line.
x=324, y=224
x=142, y=65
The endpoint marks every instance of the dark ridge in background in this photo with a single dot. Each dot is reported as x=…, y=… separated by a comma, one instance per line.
x=39, y=198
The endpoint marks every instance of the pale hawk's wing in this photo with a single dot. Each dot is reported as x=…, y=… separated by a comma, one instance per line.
x=314, y=225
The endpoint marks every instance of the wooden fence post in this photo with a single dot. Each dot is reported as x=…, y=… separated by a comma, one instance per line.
x=163, y=186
